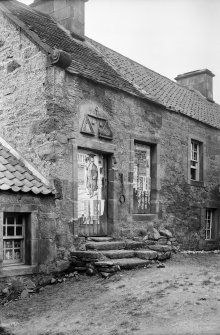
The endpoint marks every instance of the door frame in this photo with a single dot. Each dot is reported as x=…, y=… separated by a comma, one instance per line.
x=93, y=225
x=108, y=150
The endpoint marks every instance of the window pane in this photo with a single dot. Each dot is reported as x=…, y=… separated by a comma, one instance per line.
x=8, y=254
x=195, y=157
x=4, y=230
x=17, y=254
x=8, y=244
x=19, y=220
x=19, y=231
x=193, y=174
x=10, y=220
x=17, y=244
x=10, y=231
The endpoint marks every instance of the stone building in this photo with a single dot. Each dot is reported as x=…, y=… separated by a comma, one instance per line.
x=122, y=146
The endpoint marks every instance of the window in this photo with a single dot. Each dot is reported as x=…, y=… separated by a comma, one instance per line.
x=195, y=164
x=13, y=238
x=209, y=224
x=142, y=179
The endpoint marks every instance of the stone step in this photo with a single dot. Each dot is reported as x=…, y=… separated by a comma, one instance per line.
x=90, y=255
x=146, y=254
x=160, y=247
x=100, y=238
x=116, y=254
x=115, y=245
x=131, y=245
x=131, y=263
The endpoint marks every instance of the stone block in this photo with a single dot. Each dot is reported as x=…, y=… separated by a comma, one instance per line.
x=47, y=251
x=12, y=66
x=104, y=264
x=62, y=265
x=130, y=245
x=162, y=241
x=146, y=254
x=163, y=256
x=131, y=263
x=115, y=254
x=166, y=233
x=105, y=245
x=160, y=248
x=86, y=254
x=153, y=235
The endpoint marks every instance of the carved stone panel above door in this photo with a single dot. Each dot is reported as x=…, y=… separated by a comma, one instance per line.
x=94, y=122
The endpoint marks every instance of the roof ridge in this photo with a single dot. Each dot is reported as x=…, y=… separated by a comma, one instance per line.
x=153, y=71
x=128, y=81
x=133, y=61
x=94, y=61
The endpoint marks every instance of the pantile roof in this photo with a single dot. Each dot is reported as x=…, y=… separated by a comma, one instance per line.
x=85, y=60
x=101, y=64
x=167, y=92
x=16, y=174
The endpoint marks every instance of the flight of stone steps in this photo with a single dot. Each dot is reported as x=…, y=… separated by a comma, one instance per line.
x=106, y=256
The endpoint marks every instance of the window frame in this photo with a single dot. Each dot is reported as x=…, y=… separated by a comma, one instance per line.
x=196, y=161
x=13, y=238
x=31, y=245
x=209, y=215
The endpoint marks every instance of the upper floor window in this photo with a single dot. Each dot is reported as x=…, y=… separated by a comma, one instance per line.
x=196, y=161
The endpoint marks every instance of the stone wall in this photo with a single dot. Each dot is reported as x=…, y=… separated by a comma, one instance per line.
x=181, y=206
x=41, y=113
x=43, y=251
x=28, y=116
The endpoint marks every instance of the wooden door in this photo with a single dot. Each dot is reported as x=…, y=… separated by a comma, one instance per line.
x=142, y=179
x=92, y=193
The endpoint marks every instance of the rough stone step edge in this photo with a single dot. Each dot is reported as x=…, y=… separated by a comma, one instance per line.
x=94, y=256
x=115, y=245
x=131, y=263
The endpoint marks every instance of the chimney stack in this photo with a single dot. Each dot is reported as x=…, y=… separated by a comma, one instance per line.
x=69, y=13
x=200, y=80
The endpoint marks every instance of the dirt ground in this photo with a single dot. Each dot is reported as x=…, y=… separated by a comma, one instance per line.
x=182, y=298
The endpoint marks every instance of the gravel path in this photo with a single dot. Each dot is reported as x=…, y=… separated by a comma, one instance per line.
x=182, y=298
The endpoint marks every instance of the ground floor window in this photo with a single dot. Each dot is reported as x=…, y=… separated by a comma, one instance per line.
x=142, y=179
x=209, y=224
x=13, y=238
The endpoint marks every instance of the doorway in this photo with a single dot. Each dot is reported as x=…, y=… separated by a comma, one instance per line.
x=92, y=193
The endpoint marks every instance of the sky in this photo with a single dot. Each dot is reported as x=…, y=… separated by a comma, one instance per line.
x=170, y=37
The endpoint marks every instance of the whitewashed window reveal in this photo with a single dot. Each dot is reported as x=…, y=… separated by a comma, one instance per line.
x=195, y=161
x=13, y=238
x=209, y=224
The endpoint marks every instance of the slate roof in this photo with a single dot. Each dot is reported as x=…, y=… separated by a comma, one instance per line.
x=16, y=176
x=92, y=60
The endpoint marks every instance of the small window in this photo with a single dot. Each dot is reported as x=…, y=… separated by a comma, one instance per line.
x=195, y=161
x=13, y=238
x=209, y=224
